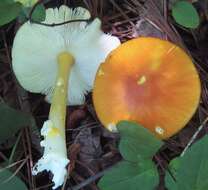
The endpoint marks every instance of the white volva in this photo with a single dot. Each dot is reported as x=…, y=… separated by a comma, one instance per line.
x=81, y=48
x=54, y=158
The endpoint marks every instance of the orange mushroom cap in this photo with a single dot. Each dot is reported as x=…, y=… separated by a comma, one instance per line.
x=149, y=81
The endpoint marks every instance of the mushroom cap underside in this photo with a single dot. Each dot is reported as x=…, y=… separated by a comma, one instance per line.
x=36, y=48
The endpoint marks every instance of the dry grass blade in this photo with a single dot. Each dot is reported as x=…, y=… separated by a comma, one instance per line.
x=152, y=12
x=16, y=171
x=125, y=16
x=14, y=164
x=194, y=136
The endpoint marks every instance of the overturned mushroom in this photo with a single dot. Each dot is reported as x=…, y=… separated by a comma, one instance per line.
x=150, y=81
x=60, y=62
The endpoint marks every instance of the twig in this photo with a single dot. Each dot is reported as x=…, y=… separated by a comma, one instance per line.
x=14, y=148
x=24, y=143
x=30, y=161
x=194, y=136
x=163, y=168
x=44, y=187
x=85, y=166
x=65, y=180
x=90, y=180
x=61, y=23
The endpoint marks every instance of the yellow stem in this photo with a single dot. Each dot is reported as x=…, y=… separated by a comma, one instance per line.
x=58, y=106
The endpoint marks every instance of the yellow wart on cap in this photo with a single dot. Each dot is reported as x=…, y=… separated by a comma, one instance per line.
x=159, y=130
x=141, y=80
x=112, y=127
x=100, y=72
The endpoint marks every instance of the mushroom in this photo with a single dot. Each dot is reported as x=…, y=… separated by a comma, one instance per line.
x=60, y=62
x=149, y=81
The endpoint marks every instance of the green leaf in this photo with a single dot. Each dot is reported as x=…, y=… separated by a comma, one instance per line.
x=8, y=11
x=11, y=121
x=8, y=184
x=6, y=1
x=137, y=142
x=131, y=176
x=191, y=170
x=170, y=183
x=27, y=3
x=185, y=14
x=39, y=13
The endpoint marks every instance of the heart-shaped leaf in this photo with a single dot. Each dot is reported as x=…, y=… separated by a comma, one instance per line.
x=11, y=121
x=185, y=14
x=191, y=170
x=131, y=176
x=39, y=13
x=9, y=182
x=137, y=142
x=8, y=11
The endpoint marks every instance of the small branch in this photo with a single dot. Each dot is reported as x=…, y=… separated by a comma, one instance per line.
x=61, y=23
x=90, y=180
